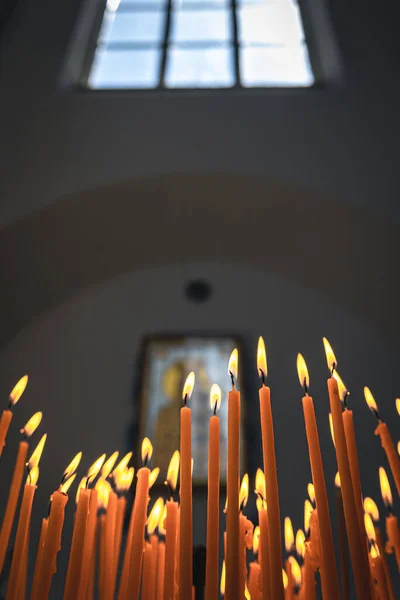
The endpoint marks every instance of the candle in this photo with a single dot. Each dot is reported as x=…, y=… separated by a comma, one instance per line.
x=123, y=481
x=243, y=524
x=289, y=546
x=148, y=576
x=253, y=581
x=39, y=557
x=151, y=552
x=186, y=544
x=177, y=554
x=344, y=571
x=295, y=574
x=24, y=567
x=16, y=481
x=378, y=574
x=386, y=440
x=329, y=577
x=211, y=591
x=22, y=533
x=110, y=545
x=77, y=544
x=272, y=494
x=7, y=414
x=171, y=522
x=160, y=571
x=371, y=508
x=358, y=550
x=392, y=528
x=264, y=547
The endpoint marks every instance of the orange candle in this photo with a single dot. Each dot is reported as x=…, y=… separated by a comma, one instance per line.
x=177, y=554
x=344, y=571
x=381, y=549
x=7, y=414
x=77, y=545
x=39, y=558
x=171, y=524
x=24, y=568
x=15, y=486
x=211, y=591
x=289, y=591
x=186, y=533
x=22, y=534
x=101, y=526
x=386, y=439
x=263, y=548
x=272, y=494
x=160, y=571
x=357, y=545
x=148, y=576
x=151, y=552
x=232, y=580
x=253, y=585
x=378, y=573
x=89, y=545
x=243, y=528
x=309, y=579
x=392, y=528
x=110, y=545
x=329, y=576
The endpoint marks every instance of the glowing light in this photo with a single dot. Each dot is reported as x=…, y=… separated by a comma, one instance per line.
x=370, y=400
x=343, y=391
x=337, y=480
x=72, y=467
x=215, y=397
x=244, y=491
x=260, y=484
x=37, y=453
x=103, y=492
x=369, y=527
x=261, y=358
x=398, y=405
x=256, y=539
x=147, y=450
x=246, y=592
x=153, y=476
x=64, y=487
x=81, y=486
x=95, y=468
x=374, y=552
x=32, y=424
x=371, y=508
x=296, y=571
x=18, y=390
x=127, y=479
x=308, y=509
x=188, y=387
x=385, y=488
x=109, y=465
x=398, y=448
x=330, y=355
x=173, y=470
x=223, y=575
x=284, y=579
x=311, y=492
x=123, y=463
x=331, y=429
x=300, y=543
x=289, y=535
x=155, y=515
x=33, y=476
x=302, y=372
x=233, y=363
x=161, y=524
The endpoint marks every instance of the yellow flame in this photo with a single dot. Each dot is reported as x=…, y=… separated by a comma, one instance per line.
x=398, y=405
x=370, y=400
x=215, y=396
x=233, y=363
x=33, y=476
x=302, y=371
x=385, y=487
x=81, y=486
x=73, y=465
x=147, y=449
x=32, y=424
x=343, y=391
x=94, y=470
x=161, y=524
x=18, y=390
x=308, y=509
x=398, y=448
x=153, y=476
x=300, y=543
x=256, y=539
x=127, y=478
x=371, y=508
x=369, y=527
x=222, y=585
x=284, y=579
x=173, y=470
x=155, y=515
x=37, y=453
x=289, y=535
x=123, y=463
x=246, y=592
x=330, y=355
x=261, y=357
x=103, y=492
x=244, y=490
x=296, y=570
x=109, y=464
x=260, y=484
x=331, y=429
x=337, y=480
x=188, y=387
x=64, y=487
x=311, y=492
x=374, y=552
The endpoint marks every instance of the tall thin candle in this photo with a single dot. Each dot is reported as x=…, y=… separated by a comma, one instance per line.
x=7, y=414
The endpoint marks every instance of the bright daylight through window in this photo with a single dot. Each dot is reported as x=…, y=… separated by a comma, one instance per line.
x=147, y=44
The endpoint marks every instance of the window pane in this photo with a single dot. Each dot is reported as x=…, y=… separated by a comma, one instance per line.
x=205, y=67
x=132, y=27
x=204, y=25
x=275, y=23
x=288, y=67
x=123, y=69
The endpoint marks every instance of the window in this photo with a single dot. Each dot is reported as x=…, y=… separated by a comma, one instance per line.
x=147, y=44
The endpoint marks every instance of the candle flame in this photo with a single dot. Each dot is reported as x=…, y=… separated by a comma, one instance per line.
x=223, y=576
x=343, y=391
x=300, y=543
x=385, y=488
x=188, y=387
x=260, y=487
x=161, y=524
x=109, y=464
x=331, y=429
x=18, y=390
x=374, y=552
x=246, y=592
x=398, y=448
x=94, y=470
x=153, y=476
x=261, y=359
x=256, y=539
x=337, y=480
x=33, y=476
x=127, y=479
x=311, y=492
x=32, y=424
x=308, y=509
x=82, y=485
x=398, y=405
x=302, y=372
x=215, y=397
x=371, y=508
x=173, y=470
x=233, y=363
x=103, y=489
x=37, y=453
x=289, y=535
x=244, y=491
x=64, y=487
x=123, y=463
x=369, y=527
x=284, y=579
x=147, y=450
x=72, y=467
x=330, y=355
x=155, y=515
x=296, y=571
x=370, y=400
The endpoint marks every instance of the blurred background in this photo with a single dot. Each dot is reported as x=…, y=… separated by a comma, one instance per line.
x=187, y=170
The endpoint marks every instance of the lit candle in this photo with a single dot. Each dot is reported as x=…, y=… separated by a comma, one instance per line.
x=243, y=525
x=263, y=548
x=110, y=545
x=16, y=481
x=123, y=481
x=151, y=552
x=296, y=575
x=171, y=522
x=254, y=581
x=148, y=576
x=329, y=576
x=186, y=533
x=344, y=571
x=177, y=554
x=77, y=544
x=392, y=528
x=358, y=550
x=386, y=440
x=160, y=571
x=289, y=546
x=7, y=414
x=24, y=567
x=272, y=494
x=211, y=591
x=375, y=560
x=371, y=508
x=39, y=557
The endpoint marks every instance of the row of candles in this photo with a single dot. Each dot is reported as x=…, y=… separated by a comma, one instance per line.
x=154, y=567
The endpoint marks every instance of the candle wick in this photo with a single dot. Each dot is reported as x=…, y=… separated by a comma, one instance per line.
x=345, y=397
x=305, y=386
x=185, y=399
x=232, y=379
x=262, y=375
x=333, y=368
x=215, y=409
